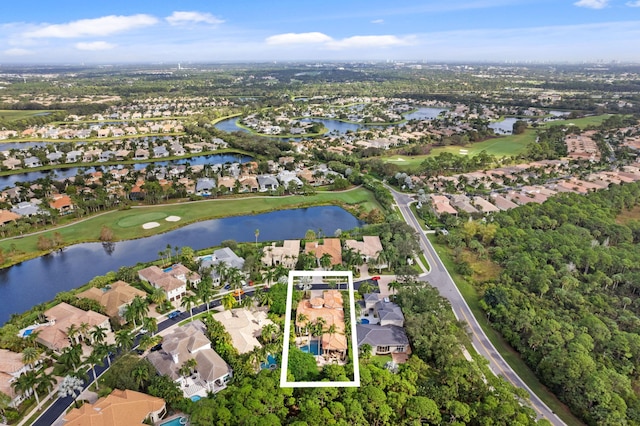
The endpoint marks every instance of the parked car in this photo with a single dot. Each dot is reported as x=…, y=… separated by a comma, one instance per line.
x=174, y=314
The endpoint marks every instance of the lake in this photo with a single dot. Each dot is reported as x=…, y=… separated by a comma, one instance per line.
x=39, y=280
x=336, y=127
x=11, y=180
x=504, y=127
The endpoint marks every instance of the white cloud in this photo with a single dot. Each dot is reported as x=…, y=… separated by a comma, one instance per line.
x=378, y=21
x=179, y=18
x=633, y=3
x=103, y=26
x=17, y=52
x=370, y=41
x=592, y=4
x=299, y=38
x=94, y=45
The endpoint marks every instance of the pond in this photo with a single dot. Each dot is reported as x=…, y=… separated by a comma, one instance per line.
x=39, y=280
x=337, y=127
x=504, y=127
x=11, y=180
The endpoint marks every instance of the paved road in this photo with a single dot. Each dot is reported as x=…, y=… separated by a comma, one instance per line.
x=439, y=277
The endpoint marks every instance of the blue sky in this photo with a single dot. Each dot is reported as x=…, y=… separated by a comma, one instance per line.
x=72, y=32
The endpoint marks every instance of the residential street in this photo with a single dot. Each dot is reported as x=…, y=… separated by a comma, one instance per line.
x=439, y=277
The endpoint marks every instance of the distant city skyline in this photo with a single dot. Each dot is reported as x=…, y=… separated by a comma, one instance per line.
x=76, y=32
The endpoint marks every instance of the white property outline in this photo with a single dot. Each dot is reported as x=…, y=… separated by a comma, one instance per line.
x=287, y=333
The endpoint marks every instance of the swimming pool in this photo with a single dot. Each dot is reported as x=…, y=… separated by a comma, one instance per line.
x=178, y=421
x=271, y=363
x=196, y=398
x=364, y=321
x=315, y=347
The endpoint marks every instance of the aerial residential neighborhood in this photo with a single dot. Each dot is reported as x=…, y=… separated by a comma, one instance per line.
x=153, y=215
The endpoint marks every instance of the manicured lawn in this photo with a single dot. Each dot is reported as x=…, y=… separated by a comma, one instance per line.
x=595, y=120
x=508, y=353
x=9, y=114
x=503, y=146
x=135, y=219
x=126, y=224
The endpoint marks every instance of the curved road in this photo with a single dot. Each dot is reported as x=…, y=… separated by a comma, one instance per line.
x=439, y=277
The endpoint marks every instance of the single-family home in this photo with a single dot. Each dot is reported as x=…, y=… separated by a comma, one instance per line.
x=225, y=256
x=31, y=162
x=27, y=208
x=141, y=154
x=61, y=318
x=330, y=246
x=74, y=156
x=249, y=183
x=267, y=183
x=369, y=248
x=440, y=205
x=244, y=326
x=54, y=157
x=120, y=407
x=330, y=308
x=211, y=373
x=172, y=280
x=287, y=255
x=205, y=186
x=383, y=330
x=160, y=151
x=114, y=297
x=62, y=203
x=12, y=163
x=11, y=367
x=6, y=216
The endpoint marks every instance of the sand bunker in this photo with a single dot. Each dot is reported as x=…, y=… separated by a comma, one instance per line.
x=150, y=225
x=399, y=159
x=172, y=218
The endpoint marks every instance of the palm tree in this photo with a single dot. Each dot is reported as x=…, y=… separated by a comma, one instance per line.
x=325, y=261
x=146, y=341
x=84, y=329
x=228, y=301
x=205, y=293
x=70, y=358
x=268, y=332
x=105, y=349
x=221, y=270
x=26, y=384
x=150, y=324
x=46, y=382
x=30, y=355
x=124, y=339
x=72, y=332
x=98, y=334
x=394, y=286
x=158, y=296
x=188, y=302
x=140, y=375
x=93, y=359
x=256, y=233
x=247, y=302
x=365, y=352
x=70, y=386
x=235, y=280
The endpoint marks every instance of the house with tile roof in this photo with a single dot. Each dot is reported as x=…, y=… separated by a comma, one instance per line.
x=328, y=308
x=114, y=297
x=211, y=373
x=330, y=246
x=120, y=407
x=286, y=255
x=244, y=327
x=11, y=367
x=172, y=280
x=369, y=248
x=62, y=203
x=54, y=334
